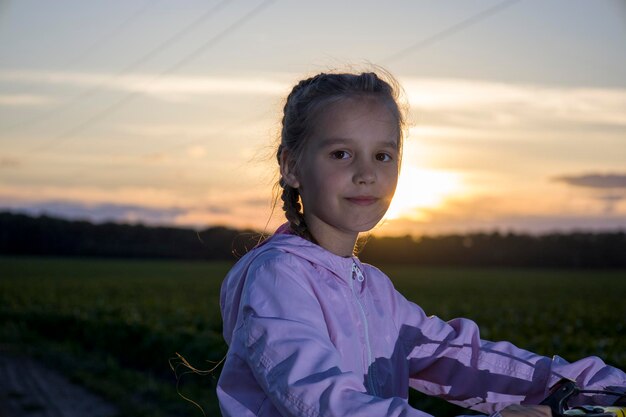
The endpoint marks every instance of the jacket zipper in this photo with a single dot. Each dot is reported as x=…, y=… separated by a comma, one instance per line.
x=358, y=275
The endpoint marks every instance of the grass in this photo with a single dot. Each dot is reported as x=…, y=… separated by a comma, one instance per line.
x=112, y=325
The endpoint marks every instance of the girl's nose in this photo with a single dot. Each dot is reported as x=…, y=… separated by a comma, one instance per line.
x=364, y=174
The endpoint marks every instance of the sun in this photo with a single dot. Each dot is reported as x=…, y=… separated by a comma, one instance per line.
x=421, y=188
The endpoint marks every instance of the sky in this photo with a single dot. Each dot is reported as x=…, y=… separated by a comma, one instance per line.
x=167, y=112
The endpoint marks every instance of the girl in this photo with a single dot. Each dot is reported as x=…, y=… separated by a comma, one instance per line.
x=312, y=331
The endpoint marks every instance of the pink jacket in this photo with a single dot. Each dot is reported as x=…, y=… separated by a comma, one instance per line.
x=311, y=333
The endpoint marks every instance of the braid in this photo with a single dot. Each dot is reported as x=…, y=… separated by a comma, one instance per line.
x=292, y=207
x=294, y=128
x=291, y=203
x=293, y=211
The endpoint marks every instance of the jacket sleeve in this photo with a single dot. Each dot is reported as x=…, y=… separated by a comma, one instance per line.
x=450, y=360
x=290, y=352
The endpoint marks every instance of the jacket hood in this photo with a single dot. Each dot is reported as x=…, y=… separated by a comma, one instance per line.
x=285, y=241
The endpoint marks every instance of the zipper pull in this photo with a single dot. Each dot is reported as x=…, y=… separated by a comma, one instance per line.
x=357, y=271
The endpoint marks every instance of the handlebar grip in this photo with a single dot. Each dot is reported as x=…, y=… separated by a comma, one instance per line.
x=596, y=411
x=618, y=411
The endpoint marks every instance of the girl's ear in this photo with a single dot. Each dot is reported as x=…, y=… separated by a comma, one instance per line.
x=287, y=170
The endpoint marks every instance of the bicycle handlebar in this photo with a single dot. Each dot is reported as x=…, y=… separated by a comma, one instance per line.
x=565, y=389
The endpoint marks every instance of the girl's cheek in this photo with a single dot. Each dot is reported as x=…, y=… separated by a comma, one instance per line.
x=332, y=175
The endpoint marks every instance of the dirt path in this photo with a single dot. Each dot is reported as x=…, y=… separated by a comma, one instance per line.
x=29, y=389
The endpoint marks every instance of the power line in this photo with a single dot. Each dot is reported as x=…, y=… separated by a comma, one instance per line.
x=82, y=173
x=86, y=94
x=87, y=52
x=464, y=24
x=190, y=57
x=177, y=146
x=99, y=43
x=132, y=95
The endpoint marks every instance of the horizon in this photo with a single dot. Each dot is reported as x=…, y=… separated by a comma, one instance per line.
x=139, y=223
x=165, y=114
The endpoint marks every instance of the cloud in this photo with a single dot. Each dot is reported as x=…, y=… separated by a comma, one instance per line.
x=213, y=209
x=23, y=100
x=7, y=162
x=484, y=104
x=595, y=181
x=256, y=202
x=160, y=86
x=610, y=189
x=99, y=213
x=534, y=224
x=541, y=212
x=447, y=102
x=159, y=130
x=119, y=213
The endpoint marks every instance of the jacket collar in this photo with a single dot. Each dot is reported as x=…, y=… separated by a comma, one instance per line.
x=286, y=241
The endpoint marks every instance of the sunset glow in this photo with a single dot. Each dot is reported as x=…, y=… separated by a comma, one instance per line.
x=421, y=188
x=168, y=113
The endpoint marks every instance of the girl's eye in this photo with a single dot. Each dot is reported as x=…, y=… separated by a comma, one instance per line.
x=340, y=155
x=383, y=157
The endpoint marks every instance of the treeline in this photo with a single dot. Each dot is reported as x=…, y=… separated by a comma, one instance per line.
x=562, y=250
x=25, y=235
x=49, y=236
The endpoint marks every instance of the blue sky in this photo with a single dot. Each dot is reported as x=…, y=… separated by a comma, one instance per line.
x=165, y=112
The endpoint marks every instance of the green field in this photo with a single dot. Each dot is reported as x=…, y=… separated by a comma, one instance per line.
x=112, y=326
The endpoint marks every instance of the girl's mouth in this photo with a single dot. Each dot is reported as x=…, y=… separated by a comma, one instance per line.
x=362, y=200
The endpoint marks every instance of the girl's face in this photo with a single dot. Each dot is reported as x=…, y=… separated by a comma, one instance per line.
x=349, y=169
